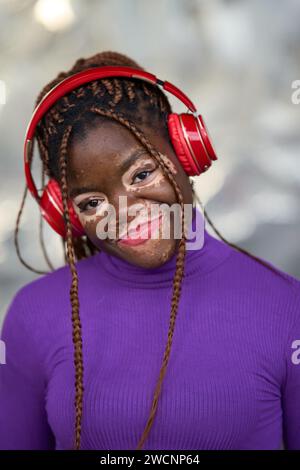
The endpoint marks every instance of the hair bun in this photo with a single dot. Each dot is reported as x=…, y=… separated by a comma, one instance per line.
x=105, y=58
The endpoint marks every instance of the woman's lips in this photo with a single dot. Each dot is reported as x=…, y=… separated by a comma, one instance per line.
x=142, y=234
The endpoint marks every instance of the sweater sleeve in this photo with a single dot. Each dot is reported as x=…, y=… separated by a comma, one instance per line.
x=23, y=417
x=291, y=389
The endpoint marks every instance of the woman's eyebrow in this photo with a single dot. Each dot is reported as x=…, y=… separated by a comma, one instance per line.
x=83, y=189
x=132, y=158
x=124, y=166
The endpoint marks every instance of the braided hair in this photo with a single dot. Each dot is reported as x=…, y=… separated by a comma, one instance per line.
x=130, y=102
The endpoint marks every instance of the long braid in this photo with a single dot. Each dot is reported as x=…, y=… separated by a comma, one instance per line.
x=179, y=261
x=76, y=323
x=137, y=102
x=41, y=235
x=16, y=231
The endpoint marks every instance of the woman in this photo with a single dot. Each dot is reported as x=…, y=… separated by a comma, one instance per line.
x=231, y=379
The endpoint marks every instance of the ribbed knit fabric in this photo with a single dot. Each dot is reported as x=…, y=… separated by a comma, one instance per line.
x=230, y=383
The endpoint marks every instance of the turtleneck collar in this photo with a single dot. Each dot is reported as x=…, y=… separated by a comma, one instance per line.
x=198, y=262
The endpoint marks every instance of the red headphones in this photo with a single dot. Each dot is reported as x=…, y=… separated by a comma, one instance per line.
x=188, y=135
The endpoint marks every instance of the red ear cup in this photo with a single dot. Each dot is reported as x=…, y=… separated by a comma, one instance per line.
x=51, y=207
x=191, y=142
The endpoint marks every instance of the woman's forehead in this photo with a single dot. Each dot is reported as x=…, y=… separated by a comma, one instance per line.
x=108, y=149
x=105, y=145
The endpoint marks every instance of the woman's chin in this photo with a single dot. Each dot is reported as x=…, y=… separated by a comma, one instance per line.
x=152, y=253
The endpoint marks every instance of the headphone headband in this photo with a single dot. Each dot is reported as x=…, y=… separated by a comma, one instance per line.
x=76, y=80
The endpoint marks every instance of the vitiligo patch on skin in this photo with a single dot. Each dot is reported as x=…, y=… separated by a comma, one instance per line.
x=155, y=182
x=98, y=213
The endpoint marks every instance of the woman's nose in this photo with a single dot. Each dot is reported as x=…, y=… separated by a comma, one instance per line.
x=126, y=205
x=126, y=208
x=121, y=199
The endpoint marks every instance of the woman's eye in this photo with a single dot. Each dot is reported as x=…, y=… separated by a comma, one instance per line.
x=143, y=175
x=91, y=204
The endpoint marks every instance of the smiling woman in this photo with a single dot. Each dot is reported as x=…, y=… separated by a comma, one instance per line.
x=97, y=165
x=230, y=383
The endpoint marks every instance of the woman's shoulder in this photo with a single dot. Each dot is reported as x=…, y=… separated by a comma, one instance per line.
x=47, y=294
x=261, y=271
x=272, y=287
x=54, y=281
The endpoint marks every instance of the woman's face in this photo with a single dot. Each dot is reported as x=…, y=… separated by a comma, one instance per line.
x=109, y=163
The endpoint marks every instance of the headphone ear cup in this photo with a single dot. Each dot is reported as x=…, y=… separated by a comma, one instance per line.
x=180, y=145
x=51, y=207
x=191, y=142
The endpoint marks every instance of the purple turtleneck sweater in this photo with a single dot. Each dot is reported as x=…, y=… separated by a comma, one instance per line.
x=233, y=377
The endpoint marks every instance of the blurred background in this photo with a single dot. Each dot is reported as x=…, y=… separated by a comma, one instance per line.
x=237, y=60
